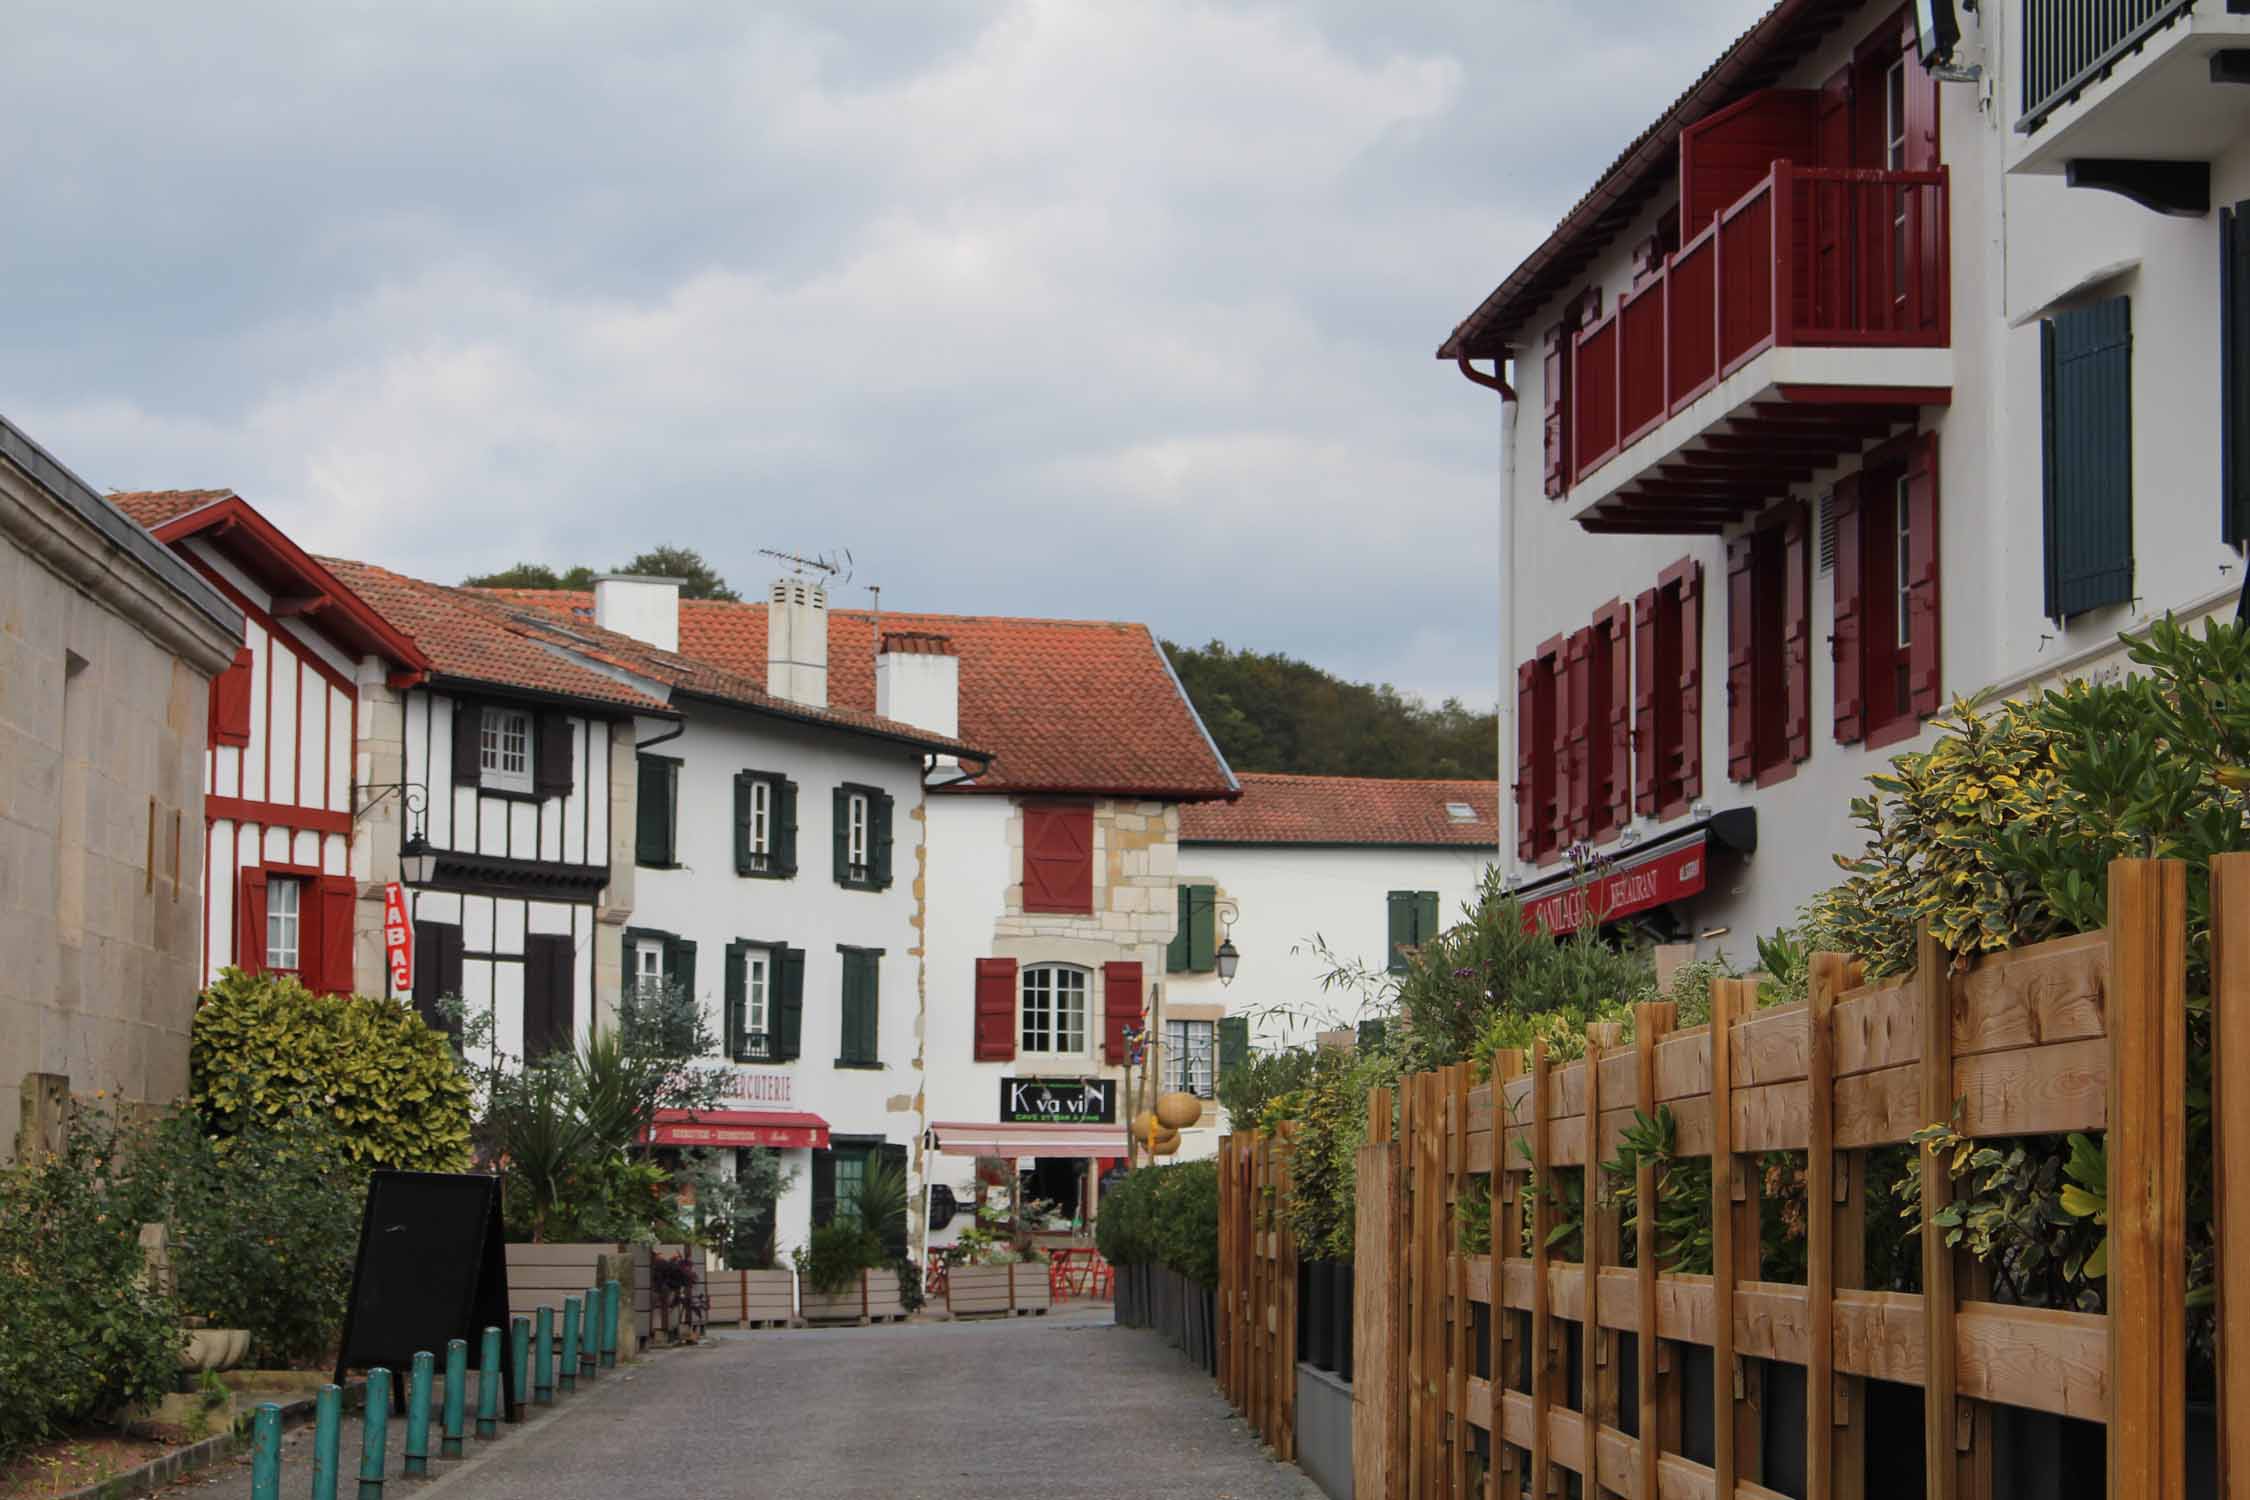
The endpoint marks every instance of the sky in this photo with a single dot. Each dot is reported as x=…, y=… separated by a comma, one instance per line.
x=1110, y=308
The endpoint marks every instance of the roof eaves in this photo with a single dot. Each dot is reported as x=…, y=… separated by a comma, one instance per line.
x=614, y=708
x=1234, y=787
x=782, y=709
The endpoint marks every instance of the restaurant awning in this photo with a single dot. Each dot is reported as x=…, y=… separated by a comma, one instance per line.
x=780, y=1128
x=1667, y=870
x=963, y=1138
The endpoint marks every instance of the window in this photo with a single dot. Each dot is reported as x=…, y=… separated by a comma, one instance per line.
x=863, y=837
x=1413, y=922
x=1593, y=732
x=284, y=932
x=765, y=1001
x=758, y=837
x=2086, y=389
x=861, y=1004
x=658, y=961
x=1885, y=642
x=1537, y=837
x=648, y=967
x=504, y=751
x=550, y=1000
x=1193, y=949
x=765, y=825
x=1668, y=692
x=1058, y=858
x=1054, y=1009
x=1769, y=639
x=656, y=820
x=851, y=1176
x=1188, y=1047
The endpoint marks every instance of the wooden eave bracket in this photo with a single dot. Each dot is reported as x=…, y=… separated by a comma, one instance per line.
x=2179, y=188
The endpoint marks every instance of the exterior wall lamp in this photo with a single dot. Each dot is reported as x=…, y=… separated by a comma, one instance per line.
x=1228, y=958
x=417, y=861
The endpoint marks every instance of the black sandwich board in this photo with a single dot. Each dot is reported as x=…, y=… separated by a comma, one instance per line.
x=432, y=1266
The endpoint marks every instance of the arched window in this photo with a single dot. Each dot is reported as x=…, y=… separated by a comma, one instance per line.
x=1054, y=1009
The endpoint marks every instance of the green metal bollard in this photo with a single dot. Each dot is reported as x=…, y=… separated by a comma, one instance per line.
x=265, y=1453
x=456, y=1395
x=569, y=1378
x=328, y=1426
x=374, y=1433
x=488, y=1385
x=519, y=1340
x=418, y=1417
x=613, y=1292
x=590, y=1335
x=543, y=1362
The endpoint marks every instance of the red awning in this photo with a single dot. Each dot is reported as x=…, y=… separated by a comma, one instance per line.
x=739, y=1127
x=1656, y=878
x=964, y=1138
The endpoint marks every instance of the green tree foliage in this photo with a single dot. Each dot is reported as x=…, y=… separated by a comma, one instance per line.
x=1271, y=712
x=266, y=1050
x=698, y=579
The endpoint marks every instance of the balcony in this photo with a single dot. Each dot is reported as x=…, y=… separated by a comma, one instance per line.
x=2107, y=82
x=1808, y=318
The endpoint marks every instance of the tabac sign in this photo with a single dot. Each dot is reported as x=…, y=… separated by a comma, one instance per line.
x=1058, y=1101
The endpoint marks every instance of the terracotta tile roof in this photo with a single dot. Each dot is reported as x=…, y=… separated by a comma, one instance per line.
x=1085, y=706
x=152, y=508
x=1278, y=809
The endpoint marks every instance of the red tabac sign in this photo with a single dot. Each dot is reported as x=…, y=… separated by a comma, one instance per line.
x=1653, y=882
x=398, y=939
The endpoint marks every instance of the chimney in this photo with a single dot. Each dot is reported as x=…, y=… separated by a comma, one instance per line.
x=918, y=681
x=797, y=642
x=647, y=609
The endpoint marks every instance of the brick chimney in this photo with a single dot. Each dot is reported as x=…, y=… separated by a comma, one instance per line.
x=797, y=642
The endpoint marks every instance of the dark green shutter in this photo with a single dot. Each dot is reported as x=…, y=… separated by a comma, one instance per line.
x=679, y=966
x=2234, y=372
x=788, y=1002
x=2086, y=392
x=823, y=1189
x=860, y=1007
x=1234, y=1043
x=1176, y=956
x=1370, y=1035
x=1203, y=909
x=652, y=843
x=879, y=837
x=744, y=786
x=1425, y=917
x=840, y=802
x=737, y=998
x=785, y=828
x=893, y=1155
x=1401, y=929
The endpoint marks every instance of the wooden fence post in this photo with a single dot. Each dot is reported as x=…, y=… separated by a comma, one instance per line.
x=1723, y=1170
x=1820, y=1228
x=2147, y=1155
x=1507, y=1244
x=1597, y=1364
x=1457, y=1359
x=1541, y=1367
x=1376, y=1342
x=2230, y=1138
x=1650, y=1022
x=1933, y=1009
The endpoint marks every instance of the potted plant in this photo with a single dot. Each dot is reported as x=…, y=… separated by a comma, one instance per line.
x=846, y=1271
x=995, y=1271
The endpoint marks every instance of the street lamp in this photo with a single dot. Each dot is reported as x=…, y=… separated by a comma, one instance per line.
x=417, y=861
x=1226, y=959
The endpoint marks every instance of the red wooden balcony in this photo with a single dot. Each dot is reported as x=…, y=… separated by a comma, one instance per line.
x=1778, y=319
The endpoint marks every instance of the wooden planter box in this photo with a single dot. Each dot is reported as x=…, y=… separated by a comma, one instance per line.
x=753, y=1299
x=876, y=1300
x=984, y=1291
x=548, y=1273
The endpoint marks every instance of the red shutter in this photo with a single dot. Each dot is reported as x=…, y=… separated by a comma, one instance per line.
x=1058, y=859
x=339, y=914
x=1689, y=748
x=1527, y=759
x=1847, y=645
x=1121, y=1007
x=250, y=923
x=1742, y=717
x=1645, y=728
x=1574, y=714
x=1925, y=655
x=1796, y=630
x=996, y=1010
x=1620, y=727
x=230, y=702
x=1725, y=154
x=1555, y=402
x=1554, y=785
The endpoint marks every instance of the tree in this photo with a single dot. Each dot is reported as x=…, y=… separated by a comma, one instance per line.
x=531, y=575
x=698, y=579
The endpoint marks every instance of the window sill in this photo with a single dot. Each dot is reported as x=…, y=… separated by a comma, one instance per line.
x=861, y=1067
x=862, y=885
x=764, y=874
x=643, y=864
x=1897, y=731
x=1775, y=774
x=508, y=793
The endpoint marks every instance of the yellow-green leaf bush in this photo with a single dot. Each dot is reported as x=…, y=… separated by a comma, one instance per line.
x=266, y=1049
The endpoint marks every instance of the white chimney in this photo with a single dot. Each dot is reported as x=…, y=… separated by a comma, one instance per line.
x=797, y=642
x=647, y=609
x=918, y=682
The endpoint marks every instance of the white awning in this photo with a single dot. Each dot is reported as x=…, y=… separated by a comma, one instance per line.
x=967, y=1138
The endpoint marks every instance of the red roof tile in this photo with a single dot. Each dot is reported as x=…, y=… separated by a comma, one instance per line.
x=1279, y=809
x=1087, y=706
x=152, y=508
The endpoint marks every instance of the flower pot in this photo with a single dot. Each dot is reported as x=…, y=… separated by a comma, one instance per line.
x=752, y=1299
x=875, y=1299
x=984, y=1291
x=213, y=1348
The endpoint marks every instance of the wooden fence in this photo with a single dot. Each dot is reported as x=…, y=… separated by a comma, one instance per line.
x=2081, y=1034
x=1258, y=1289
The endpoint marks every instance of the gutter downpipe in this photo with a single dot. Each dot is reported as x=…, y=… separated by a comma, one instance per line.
x=1504, y=703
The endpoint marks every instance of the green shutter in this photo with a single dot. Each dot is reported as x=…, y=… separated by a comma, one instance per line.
x=860, y=1007
x=1401, y=929
x=736, y=1000
x=879, y=836
x=2086, y=392
x=788, y=980
x=1203, y=910
x=652, y=843
x=893, y=1156
x=1234, y=1043
x=823, y=1189
x=745, y=786
x=1176, y=955
x=840, y=824
x=785, y=828
x=1425, y=917
x=679, y=966
x=1370, y=1035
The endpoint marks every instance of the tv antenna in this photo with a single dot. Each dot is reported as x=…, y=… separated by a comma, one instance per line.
x=838, y=566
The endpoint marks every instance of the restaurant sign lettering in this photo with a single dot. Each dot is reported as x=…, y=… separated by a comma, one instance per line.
x=1058, y=1101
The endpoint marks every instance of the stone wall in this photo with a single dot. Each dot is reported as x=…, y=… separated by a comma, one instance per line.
x=1136, y=857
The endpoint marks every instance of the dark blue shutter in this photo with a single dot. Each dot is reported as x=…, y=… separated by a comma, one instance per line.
x=2086, y=359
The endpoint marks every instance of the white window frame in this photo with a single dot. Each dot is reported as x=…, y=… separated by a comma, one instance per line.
x=757, y=992
x=648, y=965
x=1052, y=1005
x=285, y=924
x=1191, y=1057
x=761, y=824
x=858, y=819
x=505, y=746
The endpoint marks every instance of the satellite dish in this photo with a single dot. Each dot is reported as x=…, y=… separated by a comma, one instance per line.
x=1938, y=28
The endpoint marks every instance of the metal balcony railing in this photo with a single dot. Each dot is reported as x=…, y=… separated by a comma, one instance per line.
x=2068, y=44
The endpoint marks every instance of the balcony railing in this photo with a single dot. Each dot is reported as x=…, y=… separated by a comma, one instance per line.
x=1808, y=256
x=2068, y=44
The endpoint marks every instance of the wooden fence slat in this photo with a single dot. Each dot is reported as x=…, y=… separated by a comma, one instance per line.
x=1542, y=1224
x=1650, y=1021
x=1820, y=1230
x=1376, y=1346
x=1507, y=1245
x=1723, y=1169
x=1939, y=1480
x=2230, y=1138
x=1402, y=1312
x=1457, y=1359
x=1597, y=1369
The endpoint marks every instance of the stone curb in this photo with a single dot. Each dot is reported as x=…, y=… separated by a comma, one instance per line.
x=181, y=1462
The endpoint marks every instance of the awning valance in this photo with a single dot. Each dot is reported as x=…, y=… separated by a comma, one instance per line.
x=781, y=1128
x=966, y=1138
x=1670, y=869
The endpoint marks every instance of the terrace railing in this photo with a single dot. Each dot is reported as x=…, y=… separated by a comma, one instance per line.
x=2068, y=44
x=1808, y=256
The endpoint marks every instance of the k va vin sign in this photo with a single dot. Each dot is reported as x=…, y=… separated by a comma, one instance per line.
x=1058, y=1101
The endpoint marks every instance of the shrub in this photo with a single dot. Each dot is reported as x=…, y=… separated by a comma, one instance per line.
x=80, y=1336
x=832, y=1260
x=1165, y=1216
x=266, y=1049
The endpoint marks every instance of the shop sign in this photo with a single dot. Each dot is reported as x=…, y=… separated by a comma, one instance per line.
x=1653, y=882
x=752, y=1088
x=1058, y=1101
x=398, y=939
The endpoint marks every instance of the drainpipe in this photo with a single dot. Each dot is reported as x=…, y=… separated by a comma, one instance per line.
x=1505, y=705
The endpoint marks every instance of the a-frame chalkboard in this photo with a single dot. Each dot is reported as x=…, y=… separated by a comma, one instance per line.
x=433, y=1266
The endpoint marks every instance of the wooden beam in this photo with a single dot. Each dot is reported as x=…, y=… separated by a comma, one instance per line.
x=300, y=604
x=2230, y=1139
